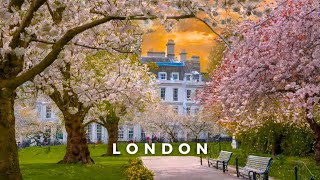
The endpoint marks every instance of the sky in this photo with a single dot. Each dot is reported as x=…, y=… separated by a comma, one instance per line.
x=190, y=34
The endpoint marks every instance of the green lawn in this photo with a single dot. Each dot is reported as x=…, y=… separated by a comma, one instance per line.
x=40, y=163
x=282, y=168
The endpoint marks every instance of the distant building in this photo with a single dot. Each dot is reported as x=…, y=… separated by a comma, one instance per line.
x=52, y=134
x=178, y=79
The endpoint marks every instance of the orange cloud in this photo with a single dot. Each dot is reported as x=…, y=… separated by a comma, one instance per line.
x=192, y=35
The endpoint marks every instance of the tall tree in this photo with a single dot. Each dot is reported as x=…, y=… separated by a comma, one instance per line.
x=196, y=124
x=30, y=126
x=33, y=33
x=136, y=92
x=78, y=85
x=155, y=121
x=274, y=58
x=216, y=56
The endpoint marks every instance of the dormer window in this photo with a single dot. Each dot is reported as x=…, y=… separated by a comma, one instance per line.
x=188, y=77
x=162, y=75
x=196, y=77
x=175, y=76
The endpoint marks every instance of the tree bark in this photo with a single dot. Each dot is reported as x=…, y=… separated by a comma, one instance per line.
x=77, y=147
x=316, y=130
x=9, y=162
x=112, y=128
x=317, y=148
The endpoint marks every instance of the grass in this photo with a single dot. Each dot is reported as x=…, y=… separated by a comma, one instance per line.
x=282, y=167
x=38, y=163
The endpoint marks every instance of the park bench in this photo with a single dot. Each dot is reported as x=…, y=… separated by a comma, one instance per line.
x=222, y=161
x=255, y=165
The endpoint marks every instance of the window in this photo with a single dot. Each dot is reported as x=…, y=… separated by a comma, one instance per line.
x=39, y=110
x=88, y=130
x=130, y=134
x=163, y=93
x=120, y=132
x=188, y=110
x=188, y=95
x=188, y=77
x=196, y=110
x=175, y=94
x=196, y=77
x=162, y=75
x=175, y=76
x=99, y=133
x=48, y=111
x=143, y=135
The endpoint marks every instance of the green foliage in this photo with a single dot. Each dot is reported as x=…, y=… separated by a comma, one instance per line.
x=215, y=56
x=275, y=138
x=152, y=66
x=135, y=170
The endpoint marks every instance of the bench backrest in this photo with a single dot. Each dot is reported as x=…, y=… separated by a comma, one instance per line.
x=225, y=156
x=260, y=163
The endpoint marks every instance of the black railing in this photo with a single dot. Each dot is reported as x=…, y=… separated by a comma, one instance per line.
x=297, y=171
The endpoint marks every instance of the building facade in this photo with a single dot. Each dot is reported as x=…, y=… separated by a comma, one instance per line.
x=179, y=79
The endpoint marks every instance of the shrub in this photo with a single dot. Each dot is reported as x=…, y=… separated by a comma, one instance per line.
x=136, y=171
x=275, y=138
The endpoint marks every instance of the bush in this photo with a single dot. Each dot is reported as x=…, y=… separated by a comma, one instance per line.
x=275, y=138
x=136, y=171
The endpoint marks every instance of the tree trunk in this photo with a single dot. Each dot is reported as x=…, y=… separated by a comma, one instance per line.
x=112, y=128
x=77, y=147
x=316, y=130
x=9, y=162
x=317, y=148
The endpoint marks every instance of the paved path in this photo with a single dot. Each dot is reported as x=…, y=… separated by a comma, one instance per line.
x=183, y=168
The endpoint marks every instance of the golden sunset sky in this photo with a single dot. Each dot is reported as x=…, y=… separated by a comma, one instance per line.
x=191, y=35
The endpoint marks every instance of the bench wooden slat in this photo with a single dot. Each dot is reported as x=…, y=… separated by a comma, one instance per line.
x=256, y=164
x=223, y=158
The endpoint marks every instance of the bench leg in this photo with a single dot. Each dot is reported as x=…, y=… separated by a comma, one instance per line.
x=237, y=166
x=254, y=176
x=217, y=165
x=223, y=167
x=266, y=176
x=208, y=163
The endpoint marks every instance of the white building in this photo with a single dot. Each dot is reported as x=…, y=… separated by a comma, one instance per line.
x=179, y=79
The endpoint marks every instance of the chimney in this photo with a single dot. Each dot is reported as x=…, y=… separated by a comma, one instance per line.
x=183, y=55
x=195, y=60
x=170, y=49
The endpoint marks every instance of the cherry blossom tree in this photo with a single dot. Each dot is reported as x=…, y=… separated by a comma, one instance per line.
x=275, y=59
x=137, y=91
x=78, y=85
x=34, y=33
x=196, y=124
x=108, y=116
x=29, y=126
x=161, y=118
